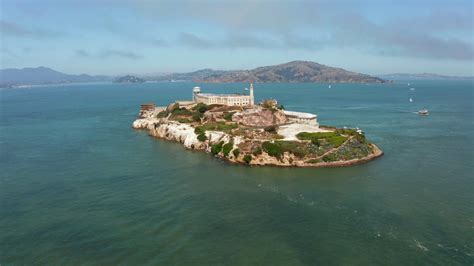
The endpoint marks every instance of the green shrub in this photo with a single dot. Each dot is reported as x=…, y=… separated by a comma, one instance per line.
x=219, y=126
x=271, y=129
x=247, y=158
x=216, y=148
x=196, y=117
x=199, y=130
x=162, y=114
x=227, y=148
x=201, y=108
x=336, y=141
x=278, y=148
x=228, y=116
x=202, y=137
x=181, y=111
x=236, y=152
x=332, y=138
x=330, y=157
x=315, y=135
x=278, y=136
x=183, y=120
x=257, y=151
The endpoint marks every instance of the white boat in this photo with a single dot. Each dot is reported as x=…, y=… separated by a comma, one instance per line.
x=411, y=100
x=412, y=89
x=423, y=111
x=329, y=86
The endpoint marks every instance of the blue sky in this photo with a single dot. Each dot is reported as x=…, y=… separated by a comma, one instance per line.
x=146, y=37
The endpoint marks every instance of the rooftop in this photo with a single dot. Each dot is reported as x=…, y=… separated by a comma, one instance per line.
x=300, y=114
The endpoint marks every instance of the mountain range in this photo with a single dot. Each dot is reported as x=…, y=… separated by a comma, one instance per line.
x=421, y=76
x=43, y=75
x=295, y=71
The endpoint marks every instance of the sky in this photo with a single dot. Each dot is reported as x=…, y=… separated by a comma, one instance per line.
x=149, y=37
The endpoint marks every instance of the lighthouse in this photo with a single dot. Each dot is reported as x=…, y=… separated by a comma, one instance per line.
x=252, y=102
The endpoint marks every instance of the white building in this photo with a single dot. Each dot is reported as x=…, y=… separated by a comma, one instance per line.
x=302, y=118
x=224, y=99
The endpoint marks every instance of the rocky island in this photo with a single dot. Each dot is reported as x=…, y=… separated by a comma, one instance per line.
x=129, y=79
x=234, y=128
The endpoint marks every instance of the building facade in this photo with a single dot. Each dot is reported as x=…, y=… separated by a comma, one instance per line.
x=224, y=99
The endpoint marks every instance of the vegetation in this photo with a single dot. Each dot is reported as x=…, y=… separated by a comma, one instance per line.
x=162, y=114
x=199, y=130
x=217, y=126
x=247, y=158
x=257, y=151
x=196, y=117
x=216, y=148
x=334, y=139
x=332, y=157
x=227, y=148
x=202, y=137
x=278, y=148
x=271, y=129
x=201, y=108
x=236, y=152
x=228, y=116
x=181, y=112
x=183, y=120
x=313, y=161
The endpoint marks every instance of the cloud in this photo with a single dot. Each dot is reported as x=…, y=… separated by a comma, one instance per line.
x=81, y=53
x=418, y=29
x=192, y=40
x=15, y=30
x=108, y=53
x=242, y=41
x=355, y=30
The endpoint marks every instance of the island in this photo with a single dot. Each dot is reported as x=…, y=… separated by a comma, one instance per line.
x=290, y=72
x=129, y=79
x=232, y=127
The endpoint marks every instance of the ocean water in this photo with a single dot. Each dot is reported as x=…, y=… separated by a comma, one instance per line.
x=79, y=186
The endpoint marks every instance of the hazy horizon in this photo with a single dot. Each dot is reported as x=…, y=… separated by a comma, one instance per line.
x=144, y=37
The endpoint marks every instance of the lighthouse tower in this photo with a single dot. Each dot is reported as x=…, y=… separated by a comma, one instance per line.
x=252, y=102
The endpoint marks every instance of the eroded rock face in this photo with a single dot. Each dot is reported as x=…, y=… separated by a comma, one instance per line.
x=260, y=117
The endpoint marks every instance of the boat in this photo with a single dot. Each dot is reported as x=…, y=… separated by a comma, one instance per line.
x=423, y=111
x=411, y=100
x=329, y=86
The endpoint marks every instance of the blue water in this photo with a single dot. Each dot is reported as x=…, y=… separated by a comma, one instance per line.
x=79, y=186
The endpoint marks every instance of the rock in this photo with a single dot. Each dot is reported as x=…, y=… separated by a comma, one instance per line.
x=260, y=117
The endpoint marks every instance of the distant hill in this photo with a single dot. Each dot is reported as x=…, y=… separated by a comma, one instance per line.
x=295, y=71
x=421, y=76
x=42, y=75
x=129, y=79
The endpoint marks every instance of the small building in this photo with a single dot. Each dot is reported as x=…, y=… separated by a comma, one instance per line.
x=224, y=99
x=302, y=118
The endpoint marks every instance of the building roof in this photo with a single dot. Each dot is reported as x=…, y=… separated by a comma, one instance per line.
x=300, y=114
x=221, y=95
